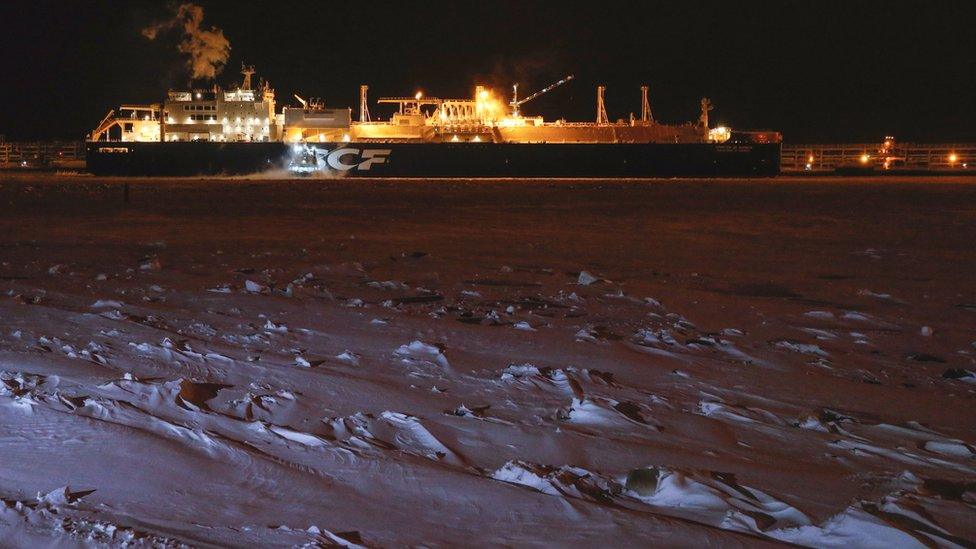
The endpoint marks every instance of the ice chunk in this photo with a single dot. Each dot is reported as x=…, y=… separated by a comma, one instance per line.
x=296, y=436
x=514, y=371
x=854, y=315
x=150, y=264
x=803, y=348
x=387, y=285
x=585, y=279
x=418, y=350
x=516, y=472
x=254, y=287
x=411, y=436
x=222, y=289
x=348, y=357
x=277, y=328
x=107, y=303
x=952, y=448
x=852, y=528
x=585, y=334
x=960, y=374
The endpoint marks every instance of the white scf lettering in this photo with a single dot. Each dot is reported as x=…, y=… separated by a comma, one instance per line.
x=335, y=159
x=373, y=156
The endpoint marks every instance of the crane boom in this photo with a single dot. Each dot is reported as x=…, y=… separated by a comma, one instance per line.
x=516, y=102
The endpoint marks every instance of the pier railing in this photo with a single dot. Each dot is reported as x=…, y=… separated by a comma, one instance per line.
x=41, y=153
x=900, y=156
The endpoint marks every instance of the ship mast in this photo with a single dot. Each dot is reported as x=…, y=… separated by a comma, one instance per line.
x=601, y=110
x=706, y=105
x=363, y=106
x=646, y=117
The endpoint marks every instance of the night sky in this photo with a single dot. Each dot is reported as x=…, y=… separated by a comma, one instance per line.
x=817, y=71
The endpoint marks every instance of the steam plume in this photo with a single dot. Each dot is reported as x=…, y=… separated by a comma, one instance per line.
x=208, y=49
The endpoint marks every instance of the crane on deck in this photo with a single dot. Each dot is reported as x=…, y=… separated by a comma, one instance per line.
x=516, y=102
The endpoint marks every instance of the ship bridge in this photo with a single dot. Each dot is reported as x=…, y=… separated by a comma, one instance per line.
x=240, y=114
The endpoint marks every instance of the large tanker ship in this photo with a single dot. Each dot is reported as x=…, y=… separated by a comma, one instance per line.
x=238, y=131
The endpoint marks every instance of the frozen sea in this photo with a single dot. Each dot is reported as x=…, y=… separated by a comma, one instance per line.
x=312, y=362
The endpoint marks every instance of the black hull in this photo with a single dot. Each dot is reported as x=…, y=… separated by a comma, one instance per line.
x=443, y=159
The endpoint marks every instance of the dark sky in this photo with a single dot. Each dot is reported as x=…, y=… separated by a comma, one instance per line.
x=817, y=71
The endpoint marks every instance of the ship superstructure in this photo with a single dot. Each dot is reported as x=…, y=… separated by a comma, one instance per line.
x=240, y=114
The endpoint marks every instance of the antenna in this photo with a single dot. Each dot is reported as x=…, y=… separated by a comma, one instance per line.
x=646, y=117
x=363, y=105
x=601, y=110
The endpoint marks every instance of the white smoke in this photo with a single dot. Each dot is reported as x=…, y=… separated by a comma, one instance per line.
x=208, y=49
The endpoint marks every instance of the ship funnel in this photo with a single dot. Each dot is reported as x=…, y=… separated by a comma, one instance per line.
x=248, y=72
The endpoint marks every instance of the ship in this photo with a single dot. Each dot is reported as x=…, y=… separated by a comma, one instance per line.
x=216, y=131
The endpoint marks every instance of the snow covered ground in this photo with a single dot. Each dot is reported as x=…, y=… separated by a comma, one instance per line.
x=383, y=363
